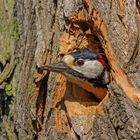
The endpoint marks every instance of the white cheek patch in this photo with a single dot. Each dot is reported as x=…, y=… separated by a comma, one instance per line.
x=90, y=69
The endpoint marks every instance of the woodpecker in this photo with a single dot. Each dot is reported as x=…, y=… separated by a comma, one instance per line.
x=83, y=67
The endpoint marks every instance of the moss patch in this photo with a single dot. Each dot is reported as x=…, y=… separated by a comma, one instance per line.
x=9, y=90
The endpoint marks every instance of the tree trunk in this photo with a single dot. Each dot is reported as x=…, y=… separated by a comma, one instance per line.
x=44, y=105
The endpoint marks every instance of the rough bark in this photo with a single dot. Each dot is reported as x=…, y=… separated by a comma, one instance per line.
x=44, y=105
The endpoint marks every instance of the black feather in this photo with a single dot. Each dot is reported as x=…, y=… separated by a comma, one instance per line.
x=84, y=54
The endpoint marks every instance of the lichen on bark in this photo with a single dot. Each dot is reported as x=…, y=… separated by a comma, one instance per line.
x=8, y=37
x=8, y=40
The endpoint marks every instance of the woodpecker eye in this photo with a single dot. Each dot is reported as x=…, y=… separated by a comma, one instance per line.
x=80, y=62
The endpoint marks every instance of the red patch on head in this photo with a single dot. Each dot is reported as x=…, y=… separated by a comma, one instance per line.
x=101, y=60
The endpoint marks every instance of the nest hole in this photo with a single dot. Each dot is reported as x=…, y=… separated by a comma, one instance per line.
x=86, y=36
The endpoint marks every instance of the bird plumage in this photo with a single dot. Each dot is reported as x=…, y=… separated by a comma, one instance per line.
x=85, y=68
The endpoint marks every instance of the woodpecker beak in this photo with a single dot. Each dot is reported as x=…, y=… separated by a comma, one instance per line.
x=62, y=68
x=59, y=67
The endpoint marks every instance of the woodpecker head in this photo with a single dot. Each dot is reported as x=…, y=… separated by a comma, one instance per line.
x=84, y=65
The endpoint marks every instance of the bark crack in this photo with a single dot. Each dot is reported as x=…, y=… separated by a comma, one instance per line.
x=41, y=101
